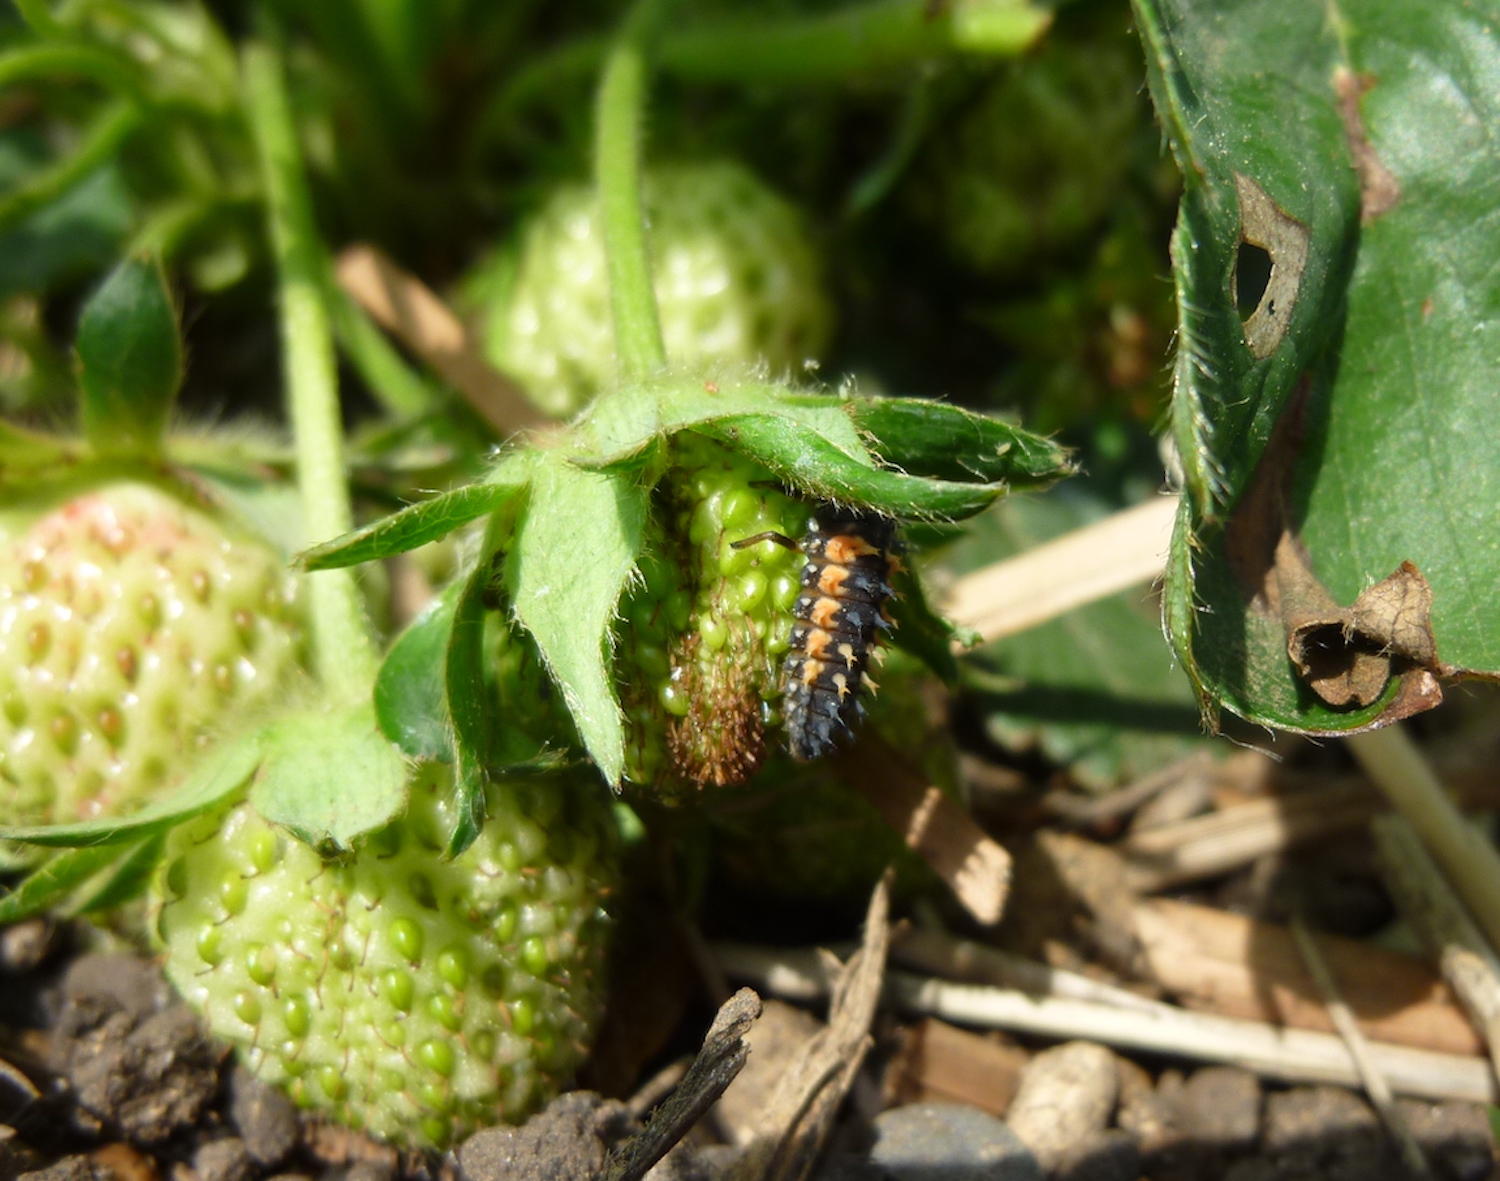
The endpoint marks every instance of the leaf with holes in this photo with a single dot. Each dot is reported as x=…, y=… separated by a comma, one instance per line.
x=1336, y=554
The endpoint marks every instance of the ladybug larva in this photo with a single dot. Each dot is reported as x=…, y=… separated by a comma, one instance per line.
x=839, y=617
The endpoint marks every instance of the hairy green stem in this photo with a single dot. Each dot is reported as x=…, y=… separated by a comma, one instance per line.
x=102, y=140
x=617, y=175
x=869, y=38
x=881, y=37
x=343, y=651
x=53, y=62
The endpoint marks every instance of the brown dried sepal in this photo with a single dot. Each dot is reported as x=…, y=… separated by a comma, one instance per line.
x=721, y=742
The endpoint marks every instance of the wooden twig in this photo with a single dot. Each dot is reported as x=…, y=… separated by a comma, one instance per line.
x=1213, y=961
x=1085, y=811
x=940, y=1062
x=719, y=1061
x=975, y=866
x=1428, y=903
x=1374, y=1082
x=1121, y=551
x=792, y=1130
x=1291, y=1054
x=410, y=310
x=1470, y=862
x=1207, y=846
x=961, y=959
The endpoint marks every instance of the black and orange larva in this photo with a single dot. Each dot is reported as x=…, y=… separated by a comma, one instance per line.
x=840, y=615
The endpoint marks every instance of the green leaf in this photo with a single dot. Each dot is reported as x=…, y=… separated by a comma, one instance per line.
x=54, y=880
x=411, y=702
x=74, y=235
x=926, y=438
x=129, y=360
x=469, y=704
x=1341, y=504
x=1244, y=89
x=1096, y=689
x=216, y=776
x=428, y=520
x=809, y=463
x=330, y=777
x=577, y=547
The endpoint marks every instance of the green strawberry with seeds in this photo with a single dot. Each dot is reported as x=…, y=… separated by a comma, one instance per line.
x=390, y=989
x=710, y=621
x=737, y=281
x=133, y=628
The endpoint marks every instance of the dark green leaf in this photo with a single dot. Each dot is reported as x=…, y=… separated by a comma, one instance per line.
x=428, y=520
x=77, y=234
x=218, y=775
x=1350, y=449
x=809, y=463
x=926, y=438
x=330, y=777
x=469, y=704
x=577, y=547
x=411, y=702
x=53, y=880
x=129, y=360
x=1244, y=89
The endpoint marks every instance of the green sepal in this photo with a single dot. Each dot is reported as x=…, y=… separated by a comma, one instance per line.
x=220, y=773
x=428, y=520
x=577, y=546
x=330, y=777
x=926, y=438
x=53, y=880
x=129, y=360
x=469, y=704
x=411, y=699
x=622, y=424
x=813, y=466
x=129, y=879
x=920, y=630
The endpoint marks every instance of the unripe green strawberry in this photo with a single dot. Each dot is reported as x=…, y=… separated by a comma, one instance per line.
x=737, y=281
x=393, y=990
x=815, y=836
x=1025, y=171
x=710, y=623
x=132, y=629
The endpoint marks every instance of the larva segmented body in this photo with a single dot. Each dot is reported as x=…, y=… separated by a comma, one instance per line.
x=840, y=615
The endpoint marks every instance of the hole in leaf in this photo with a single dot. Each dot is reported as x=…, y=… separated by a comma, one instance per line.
x=1252, y=275
x=1267, y=230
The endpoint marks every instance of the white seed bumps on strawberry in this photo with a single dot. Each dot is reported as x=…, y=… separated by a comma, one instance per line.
x=392, y=990
x=132, y=629
x=737, y=281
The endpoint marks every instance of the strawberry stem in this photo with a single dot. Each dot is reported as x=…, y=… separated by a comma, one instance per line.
x=343, y=651
x=617, y=173
x=102, y=140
